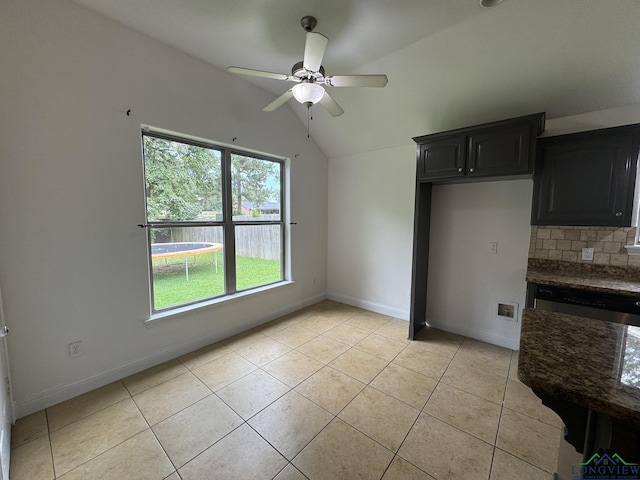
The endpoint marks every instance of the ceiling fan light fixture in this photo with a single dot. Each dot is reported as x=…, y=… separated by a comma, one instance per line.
x=306, y=92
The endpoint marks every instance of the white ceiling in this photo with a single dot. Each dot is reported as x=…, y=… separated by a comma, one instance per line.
x=450, y=63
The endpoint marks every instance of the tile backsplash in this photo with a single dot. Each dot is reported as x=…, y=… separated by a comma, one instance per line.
x=566, y=244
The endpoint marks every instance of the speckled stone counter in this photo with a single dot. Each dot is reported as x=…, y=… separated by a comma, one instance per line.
x=585, y=276
x=589, y=363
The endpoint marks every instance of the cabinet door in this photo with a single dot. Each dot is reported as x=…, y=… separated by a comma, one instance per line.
x=500, y=151
x=585, y=180
x=442, y=158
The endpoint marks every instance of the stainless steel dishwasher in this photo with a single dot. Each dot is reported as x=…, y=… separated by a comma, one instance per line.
x=610, y=307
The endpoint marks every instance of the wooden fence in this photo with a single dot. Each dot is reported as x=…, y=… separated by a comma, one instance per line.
x=256, y=241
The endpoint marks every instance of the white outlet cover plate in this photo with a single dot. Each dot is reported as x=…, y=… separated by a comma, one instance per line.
x=587, y=254
x=75, y=349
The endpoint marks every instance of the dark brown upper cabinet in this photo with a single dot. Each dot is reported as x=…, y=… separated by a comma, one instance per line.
x=586, y=178
x=493, y=151
x=497, y=149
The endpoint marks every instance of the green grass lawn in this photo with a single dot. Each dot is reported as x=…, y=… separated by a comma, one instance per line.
x=170, y=287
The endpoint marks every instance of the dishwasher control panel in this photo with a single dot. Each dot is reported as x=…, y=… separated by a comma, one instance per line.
x=599, y=305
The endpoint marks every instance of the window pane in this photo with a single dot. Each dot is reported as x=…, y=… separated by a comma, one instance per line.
x=187, y=265
x=183, y=181
x=258, y=255
x=255, y=188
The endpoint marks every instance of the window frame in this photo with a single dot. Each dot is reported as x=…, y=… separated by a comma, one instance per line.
x=228, y=223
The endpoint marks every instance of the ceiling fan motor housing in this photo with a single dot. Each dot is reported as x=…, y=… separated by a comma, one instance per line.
x=299, y=71
x=308, y=23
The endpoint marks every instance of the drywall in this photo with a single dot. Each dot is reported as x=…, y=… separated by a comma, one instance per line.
x=465, y=278
x=73, y=263
x=371, y=199
x=611, y=117
x=371, y=204
x=371, y=234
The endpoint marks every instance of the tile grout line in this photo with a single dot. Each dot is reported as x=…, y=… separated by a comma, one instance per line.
x=53, y=465
x=150, y=427
x=335, y=416
x=292, y=388
x=104, y=452
x=502, y=407
x=421, y=412
x=454, y=426
x=89, y=414
x=83, y=418
x=210, y=446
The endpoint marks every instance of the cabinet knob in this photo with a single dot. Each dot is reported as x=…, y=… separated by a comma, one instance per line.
x=460, y=169
x=471, y=170
x=618, y=214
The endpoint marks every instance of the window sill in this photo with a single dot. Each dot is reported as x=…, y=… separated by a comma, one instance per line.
x=633, y=249
x=161, y=317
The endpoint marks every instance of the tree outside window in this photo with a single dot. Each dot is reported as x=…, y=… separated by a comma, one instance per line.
x=211, y=233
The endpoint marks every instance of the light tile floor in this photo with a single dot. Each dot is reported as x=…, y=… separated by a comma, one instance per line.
x=329, y=392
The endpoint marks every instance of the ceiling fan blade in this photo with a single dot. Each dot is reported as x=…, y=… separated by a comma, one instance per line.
x=357, y=80
x=314, y=48
x=261, y=73
x=330, y=105
x=278, y=102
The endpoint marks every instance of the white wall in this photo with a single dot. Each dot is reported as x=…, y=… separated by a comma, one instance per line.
x=465, y=279
x=611, y=117
x=73, y=263
x=371, y=199
x=371, y=204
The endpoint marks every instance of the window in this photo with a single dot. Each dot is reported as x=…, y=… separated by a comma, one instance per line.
x=215, y=220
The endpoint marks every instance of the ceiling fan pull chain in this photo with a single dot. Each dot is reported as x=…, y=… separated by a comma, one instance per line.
x=308, y=118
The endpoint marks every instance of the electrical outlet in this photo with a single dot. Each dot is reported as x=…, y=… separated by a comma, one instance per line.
x=75, y=349
x=587, y=254
x=493, y=247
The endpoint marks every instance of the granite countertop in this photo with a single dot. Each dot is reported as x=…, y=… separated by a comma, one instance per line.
x=585, y=276
x=591, y=363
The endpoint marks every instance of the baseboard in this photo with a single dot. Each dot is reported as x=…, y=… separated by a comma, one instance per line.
x=60, y=393
x=465, y=330
x=371, y=306
x=477, y=334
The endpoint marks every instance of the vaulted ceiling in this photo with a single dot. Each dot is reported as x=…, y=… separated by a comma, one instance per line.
x=450, y=63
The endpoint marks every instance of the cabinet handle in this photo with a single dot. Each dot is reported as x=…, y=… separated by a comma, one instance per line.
x=460, y=169
x=471, y=170
x=618, y=214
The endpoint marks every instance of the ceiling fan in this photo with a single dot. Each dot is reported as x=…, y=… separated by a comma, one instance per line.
x=309, y=75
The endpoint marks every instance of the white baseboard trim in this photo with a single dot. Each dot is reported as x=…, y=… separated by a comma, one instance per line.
x=60, y=393
x=477, y=334
x=371, y=306
x=471, y=332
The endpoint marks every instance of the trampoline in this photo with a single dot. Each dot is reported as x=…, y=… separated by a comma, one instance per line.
x=185, y=249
